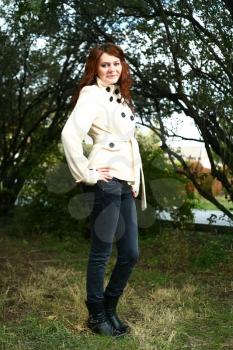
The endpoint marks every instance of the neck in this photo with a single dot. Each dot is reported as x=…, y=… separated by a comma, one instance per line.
x=101, y=83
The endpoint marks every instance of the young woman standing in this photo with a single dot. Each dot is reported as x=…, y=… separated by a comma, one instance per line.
x=112, y=172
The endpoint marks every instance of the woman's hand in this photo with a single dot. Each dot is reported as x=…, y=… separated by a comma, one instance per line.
x=134, y=192
x=104, y=174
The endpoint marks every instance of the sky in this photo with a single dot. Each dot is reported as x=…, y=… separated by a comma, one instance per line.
x=186, y=128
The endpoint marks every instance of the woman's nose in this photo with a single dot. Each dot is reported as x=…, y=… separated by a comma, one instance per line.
x=111, y=68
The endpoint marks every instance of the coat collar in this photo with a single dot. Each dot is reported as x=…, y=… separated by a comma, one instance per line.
x=101, y=84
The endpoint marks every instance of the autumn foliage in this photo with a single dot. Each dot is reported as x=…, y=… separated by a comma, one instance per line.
x=204, y=178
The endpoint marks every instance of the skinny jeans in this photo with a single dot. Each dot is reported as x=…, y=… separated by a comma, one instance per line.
x=113, y=219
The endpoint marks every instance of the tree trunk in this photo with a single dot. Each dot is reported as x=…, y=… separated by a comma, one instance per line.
x=7, y=201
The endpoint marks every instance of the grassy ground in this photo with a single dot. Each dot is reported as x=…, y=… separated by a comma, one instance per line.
x=203, y=203
x=179, y=296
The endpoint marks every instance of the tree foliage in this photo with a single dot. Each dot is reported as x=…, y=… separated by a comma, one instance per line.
x=44, y=48
x=180, y=53
x=181, y=56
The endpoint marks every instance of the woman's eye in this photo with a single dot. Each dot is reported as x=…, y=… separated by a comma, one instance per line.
x=105, y=65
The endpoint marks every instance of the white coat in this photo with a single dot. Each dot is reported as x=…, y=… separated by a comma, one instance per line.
x=101, y=113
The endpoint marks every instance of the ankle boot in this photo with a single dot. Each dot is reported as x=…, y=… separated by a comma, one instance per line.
x=110, y=304
x=98, y=321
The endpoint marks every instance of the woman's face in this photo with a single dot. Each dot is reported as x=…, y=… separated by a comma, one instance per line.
x=109, y=68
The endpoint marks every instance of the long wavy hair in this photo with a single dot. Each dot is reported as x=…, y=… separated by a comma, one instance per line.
x=90, y=72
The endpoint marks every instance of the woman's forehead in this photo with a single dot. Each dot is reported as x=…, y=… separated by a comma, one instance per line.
x=105, y=57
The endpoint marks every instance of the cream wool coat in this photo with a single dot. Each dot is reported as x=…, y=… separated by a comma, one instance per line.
x=101, y=113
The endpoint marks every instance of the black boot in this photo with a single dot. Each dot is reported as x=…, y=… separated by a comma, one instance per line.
x=98, y=321
x=110, y=304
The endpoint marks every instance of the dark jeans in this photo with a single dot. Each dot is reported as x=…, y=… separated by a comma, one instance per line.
x=113, y=219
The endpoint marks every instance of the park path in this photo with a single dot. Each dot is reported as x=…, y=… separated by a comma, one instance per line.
x=205, y=217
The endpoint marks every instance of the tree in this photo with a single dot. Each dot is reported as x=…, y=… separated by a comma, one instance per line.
x=196, y=81
x=180, y=54
x=44, y=46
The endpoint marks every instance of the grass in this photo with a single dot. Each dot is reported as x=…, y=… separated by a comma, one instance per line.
x=179, y=296
x=204, y=204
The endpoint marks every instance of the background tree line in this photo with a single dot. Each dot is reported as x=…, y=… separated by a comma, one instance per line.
x=180, y=54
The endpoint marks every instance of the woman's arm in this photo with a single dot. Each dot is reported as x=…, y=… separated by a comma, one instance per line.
x=75, y=131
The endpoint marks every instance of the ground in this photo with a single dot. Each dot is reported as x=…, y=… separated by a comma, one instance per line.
x=179, y=296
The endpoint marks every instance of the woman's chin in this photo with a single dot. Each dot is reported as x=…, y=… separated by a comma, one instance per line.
x=112, y=80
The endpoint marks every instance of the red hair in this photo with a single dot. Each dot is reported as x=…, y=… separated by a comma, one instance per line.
x=90, y=72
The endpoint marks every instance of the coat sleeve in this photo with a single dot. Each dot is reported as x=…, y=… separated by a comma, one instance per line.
x=137, y=166
x=75, y=131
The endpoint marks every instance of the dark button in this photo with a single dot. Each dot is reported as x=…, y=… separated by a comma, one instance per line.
x=132, y=117
x=111, y=99
x=123, y=115
x=111, y=144
x=108, y=89
x=118, y=100
x=116, y=91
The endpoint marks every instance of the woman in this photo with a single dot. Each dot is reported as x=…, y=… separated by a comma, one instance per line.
x=103, y=110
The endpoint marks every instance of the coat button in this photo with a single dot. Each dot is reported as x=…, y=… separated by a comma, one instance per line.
x=111, y=144
x=116, y=91
x=132, y=117
x=108, y=89
x=111, y=99
x=123, y=115
x=118, y=100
